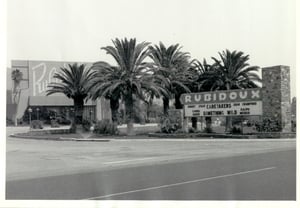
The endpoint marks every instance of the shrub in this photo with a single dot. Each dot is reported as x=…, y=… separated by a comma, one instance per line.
x=192, y=130
x=9, y=122
x=236, y=130
x=268, y=125
x=208, y=130
x=294, y=126
x=168, y=127
x=152, y=120
x=106, y=127
x=86, y=125
x=36, y=124
x=249, y=124
x=54, y=124
x=63, y=121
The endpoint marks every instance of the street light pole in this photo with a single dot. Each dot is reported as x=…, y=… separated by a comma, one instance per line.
x=29, y=111
x=91, y=115
x=54, y=114
x=37, y=113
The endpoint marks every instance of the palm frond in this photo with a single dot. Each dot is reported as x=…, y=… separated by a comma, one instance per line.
x=72, y=81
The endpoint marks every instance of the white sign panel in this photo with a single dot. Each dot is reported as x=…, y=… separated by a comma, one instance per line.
x=246, y=108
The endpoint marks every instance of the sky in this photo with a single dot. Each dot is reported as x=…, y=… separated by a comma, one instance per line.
x=75, y=30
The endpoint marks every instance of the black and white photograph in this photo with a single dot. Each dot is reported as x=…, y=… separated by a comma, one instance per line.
x=127, y=103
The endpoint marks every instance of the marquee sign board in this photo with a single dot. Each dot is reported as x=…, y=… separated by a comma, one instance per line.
x=223, y=103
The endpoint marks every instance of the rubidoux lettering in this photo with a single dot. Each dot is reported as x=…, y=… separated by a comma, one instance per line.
x=222, y=96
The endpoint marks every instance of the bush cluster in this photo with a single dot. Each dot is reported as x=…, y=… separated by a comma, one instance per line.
x=294, y=128
x=86, y=125
x=151, y=120
x=268, y=125
x=54, y=124
x=106, y=127
x=36, y=124
x=236, y=130
x=192, y=130
x=9, y=122
x=208, y=130
x=168, y=127
x=63, y=121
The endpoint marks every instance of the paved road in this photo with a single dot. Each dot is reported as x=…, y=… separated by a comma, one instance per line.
x=261, y=176
x=28, y=158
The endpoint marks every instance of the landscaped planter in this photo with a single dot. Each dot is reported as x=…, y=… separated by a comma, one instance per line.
x=49, y=131
x=276, y=135
x=200, y=135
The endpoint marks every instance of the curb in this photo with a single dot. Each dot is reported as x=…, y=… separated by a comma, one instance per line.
x=225, y=136
x=33, y=137
x=150, y=139
x=83, y=140
x=59, y=138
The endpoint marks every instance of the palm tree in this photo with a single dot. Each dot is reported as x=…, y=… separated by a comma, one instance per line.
x=231, y=72
x=73, y=83
x=17, y=77
x=203, y=70
x=172, y=64
x=200, y=69
x=105, y=75
x=130, y=79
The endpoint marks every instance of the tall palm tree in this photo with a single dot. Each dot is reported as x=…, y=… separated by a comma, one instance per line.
x=200, y=69
x=105, y=75
x=129, y=79
x=72, y=81
x=173, y=64
x=232, y=71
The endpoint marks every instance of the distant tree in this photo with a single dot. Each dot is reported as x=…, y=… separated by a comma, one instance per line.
x=17, y=77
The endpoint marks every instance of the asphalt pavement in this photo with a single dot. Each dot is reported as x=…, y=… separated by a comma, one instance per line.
x=257, y=176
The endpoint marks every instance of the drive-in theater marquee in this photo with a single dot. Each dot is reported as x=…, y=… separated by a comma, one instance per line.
x=242, y=102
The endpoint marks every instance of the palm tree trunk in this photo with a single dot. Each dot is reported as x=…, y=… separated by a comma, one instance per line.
x=208, y=122
x=148, y=112
x=73, y=124
x=129, y=114
x=114, y=106
x=78, y=112
x=166, y=105
x=228, y=118
x=228, y=123
x=194, y=122
x=178, y=104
